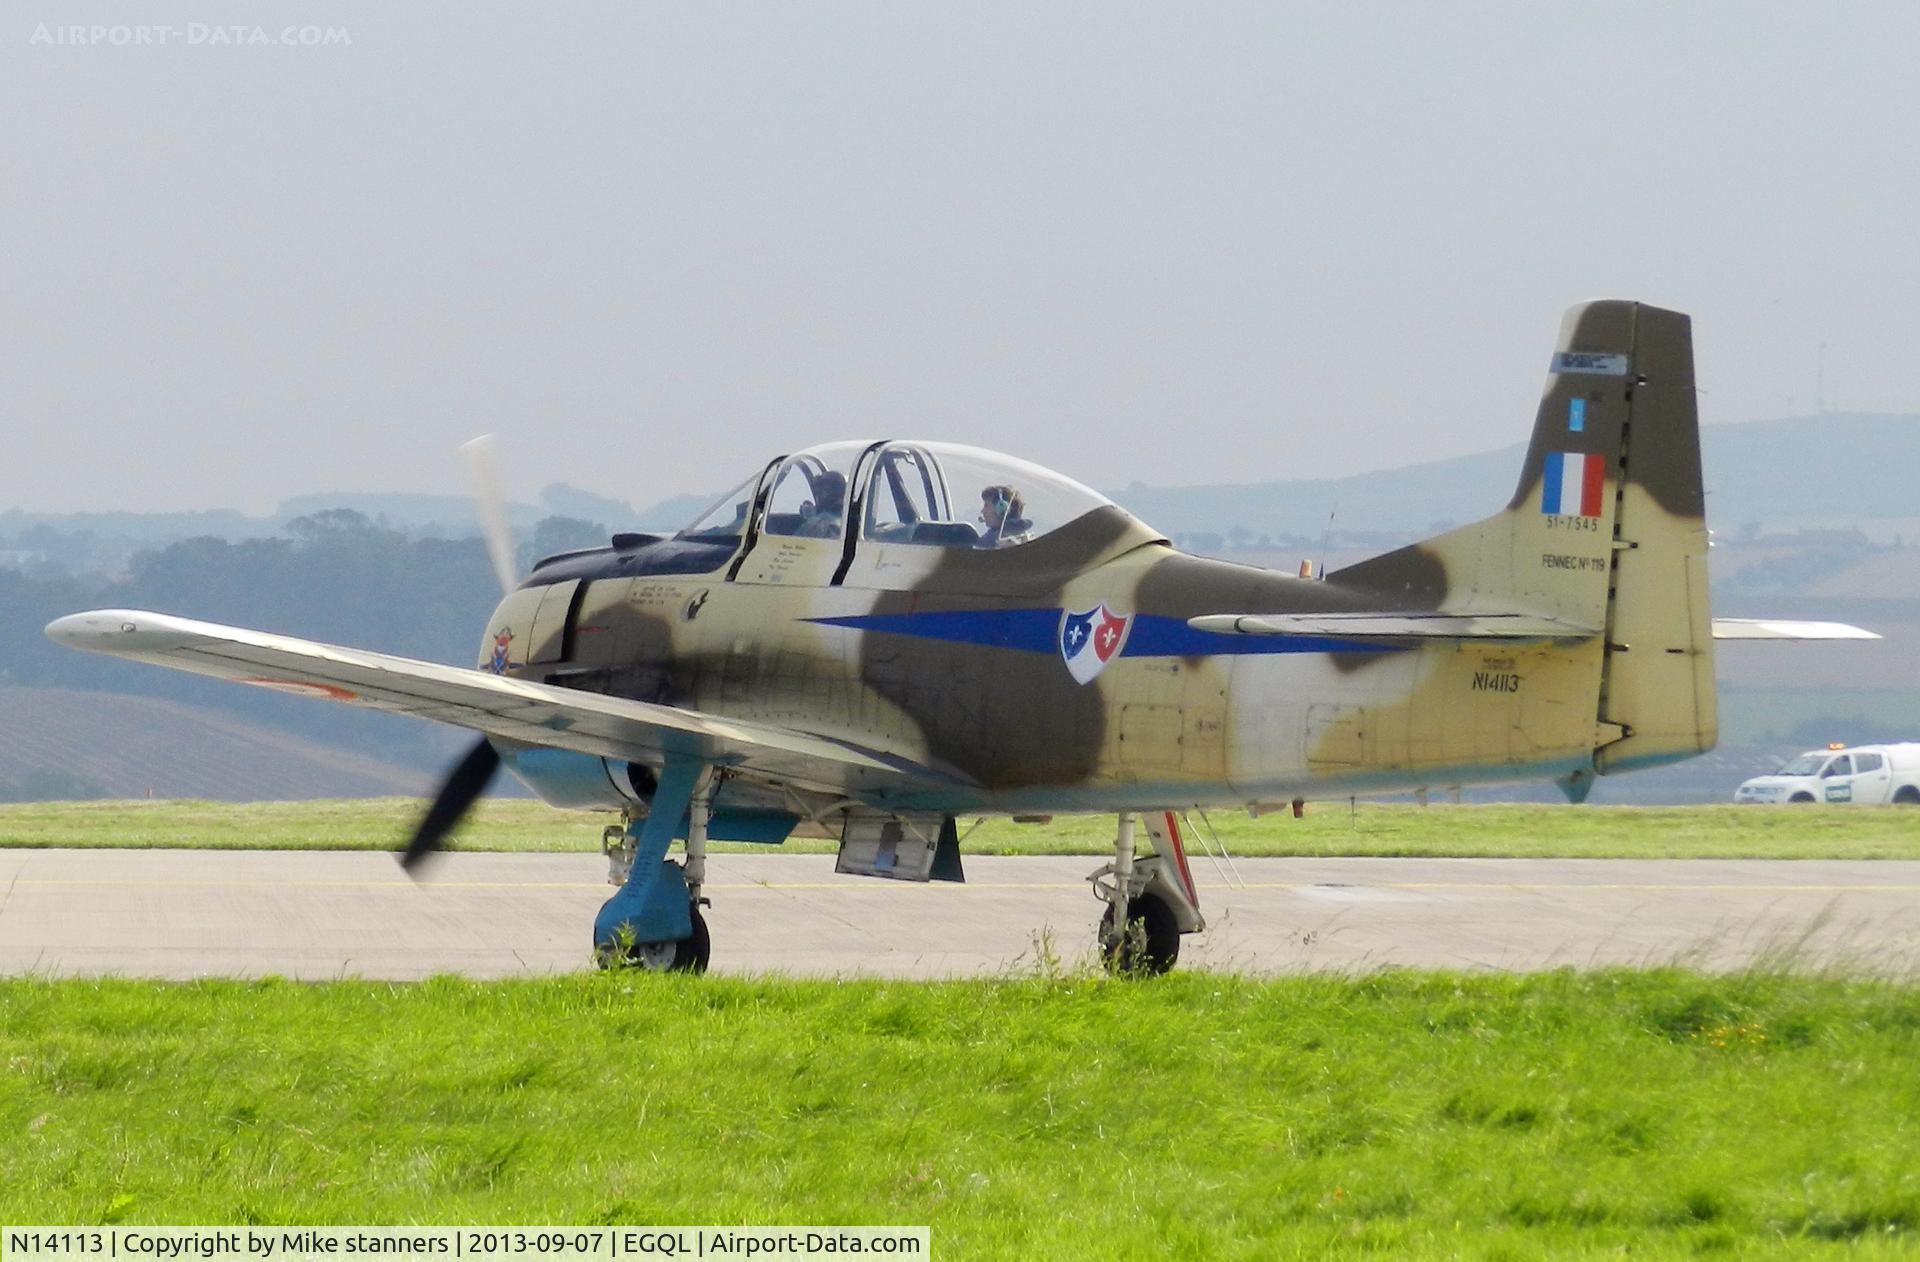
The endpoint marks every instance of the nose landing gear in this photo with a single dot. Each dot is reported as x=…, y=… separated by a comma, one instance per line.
x=653, y=922
x=1151, y=902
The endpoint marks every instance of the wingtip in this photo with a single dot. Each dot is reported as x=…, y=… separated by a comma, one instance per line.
x=1787, y=629
x=91, y=629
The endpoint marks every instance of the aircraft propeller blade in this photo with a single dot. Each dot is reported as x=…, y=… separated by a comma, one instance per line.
x=491, y=503
x=463, y=787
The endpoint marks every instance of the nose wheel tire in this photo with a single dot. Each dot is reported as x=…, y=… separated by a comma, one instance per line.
x=689, y=955
x=1151, y=944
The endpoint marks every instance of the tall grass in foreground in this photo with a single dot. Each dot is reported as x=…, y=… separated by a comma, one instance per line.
x=1415, y=1114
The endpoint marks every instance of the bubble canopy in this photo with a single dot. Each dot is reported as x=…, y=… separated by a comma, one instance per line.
x=927, y=494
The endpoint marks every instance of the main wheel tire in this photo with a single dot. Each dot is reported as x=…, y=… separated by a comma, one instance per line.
x=1907, y=796
x=1151, y=944
x=1801, y=797
x=692, y=953
x=689, y=955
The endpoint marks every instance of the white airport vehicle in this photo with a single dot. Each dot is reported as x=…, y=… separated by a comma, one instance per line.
x=1864, y=775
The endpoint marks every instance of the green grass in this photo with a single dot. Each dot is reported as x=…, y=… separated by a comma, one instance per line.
x=1429, y=1115
x=326, y=824
x=1698, y=832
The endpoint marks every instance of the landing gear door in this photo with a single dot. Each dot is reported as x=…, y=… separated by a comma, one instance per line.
x=900, y=848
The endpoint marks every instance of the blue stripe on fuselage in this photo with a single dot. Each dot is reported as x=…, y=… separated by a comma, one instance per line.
x=1156, y=636
x=1029, y=630
x=1038, y=630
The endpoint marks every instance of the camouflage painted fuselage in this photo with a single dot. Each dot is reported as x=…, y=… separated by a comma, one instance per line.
x=954, y=659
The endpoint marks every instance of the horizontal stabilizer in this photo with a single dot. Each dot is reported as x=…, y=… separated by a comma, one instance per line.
x=1784, y=629
x=1396, y=626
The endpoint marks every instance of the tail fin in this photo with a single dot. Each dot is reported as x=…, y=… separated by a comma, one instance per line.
x=1605, y=531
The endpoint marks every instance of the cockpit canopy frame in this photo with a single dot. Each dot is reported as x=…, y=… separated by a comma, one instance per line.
x=899, y=491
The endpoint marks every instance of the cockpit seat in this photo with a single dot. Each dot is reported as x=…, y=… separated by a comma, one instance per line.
x=945, y=534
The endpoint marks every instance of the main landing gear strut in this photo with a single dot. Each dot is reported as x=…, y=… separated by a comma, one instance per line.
x=654, y=921
x=1150, y=901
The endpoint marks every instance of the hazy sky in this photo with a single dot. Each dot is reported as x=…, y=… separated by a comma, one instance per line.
x=650, y=245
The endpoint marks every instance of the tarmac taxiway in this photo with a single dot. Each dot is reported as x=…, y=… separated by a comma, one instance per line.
x=309, y=914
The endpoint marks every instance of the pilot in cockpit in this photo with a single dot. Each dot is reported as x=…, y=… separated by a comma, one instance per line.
x=821, y=516
x=1003, y=512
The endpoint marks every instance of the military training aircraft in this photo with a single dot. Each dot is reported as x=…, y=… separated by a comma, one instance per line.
x=880, y=637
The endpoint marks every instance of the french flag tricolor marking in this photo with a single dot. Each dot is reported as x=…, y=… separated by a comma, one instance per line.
x=1573, y=484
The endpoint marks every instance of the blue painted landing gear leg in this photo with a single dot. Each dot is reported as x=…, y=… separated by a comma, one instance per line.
x=652, y=922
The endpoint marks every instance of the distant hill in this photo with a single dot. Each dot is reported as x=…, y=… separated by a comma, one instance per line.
x=453, y=516
x=445, y=516
x=1788, y=474
x=58, y=742
x=674, y=512
x=570, y=501
x=224, y=522
x=103, y=546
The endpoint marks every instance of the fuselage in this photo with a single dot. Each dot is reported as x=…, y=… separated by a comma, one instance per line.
x=961, y=659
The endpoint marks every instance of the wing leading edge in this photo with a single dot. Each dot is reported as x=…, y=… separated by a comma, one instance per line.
x=515, y=709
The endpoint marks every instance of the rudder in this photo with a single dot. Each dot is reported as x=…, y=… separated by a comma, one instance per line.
x=1657, y=685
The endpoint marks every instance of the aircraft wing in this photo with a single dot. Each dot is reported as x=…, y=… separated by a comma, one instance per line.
x=1785, y=629
x=1396, y=626
x=516, y=709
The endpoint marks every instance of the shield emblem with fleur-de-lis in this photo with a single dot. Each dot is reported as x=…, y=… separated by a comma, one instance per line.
x=1090, y=639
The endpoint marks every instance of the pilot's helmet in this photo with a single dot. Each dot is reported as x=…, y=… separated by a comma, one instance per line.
x=829, y=491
